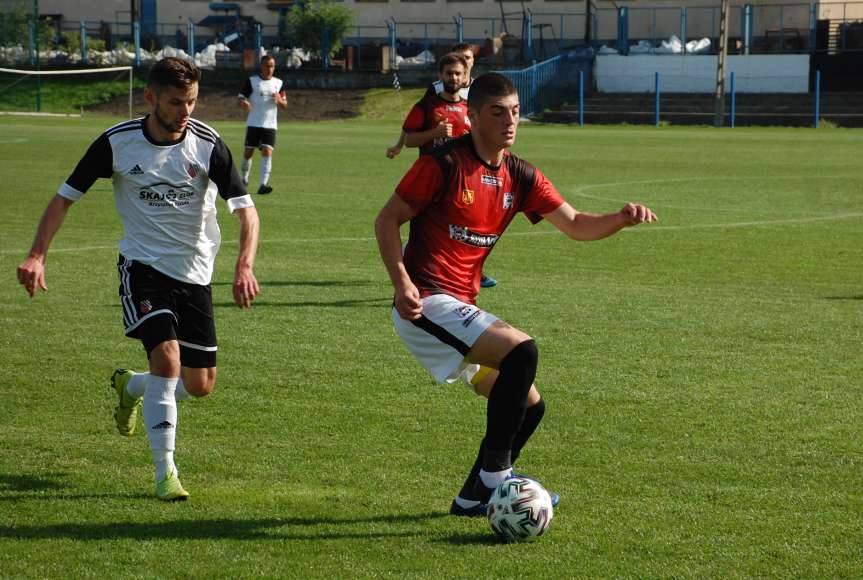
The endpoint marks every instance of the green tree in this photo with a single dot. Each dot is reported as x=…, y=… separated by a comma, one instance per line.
x=307, y=24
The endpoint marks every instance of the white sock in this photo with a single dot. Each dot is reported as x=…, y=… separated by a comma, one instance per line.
x=266, y=166
x=466, y=503
x=493, y=478
x=246, y=168
x=137, y=385
x=160, y=417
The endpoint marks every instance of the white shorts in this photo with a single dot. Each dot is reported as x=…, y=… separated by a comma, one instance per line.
x=443, y=336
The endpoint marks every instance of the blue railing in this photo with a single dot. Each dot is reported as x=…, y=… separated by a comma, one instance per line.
x=548, y=83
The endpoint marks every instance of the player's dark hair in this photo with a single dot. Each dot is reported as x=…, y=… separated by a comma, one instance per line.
x=462, y=47
x=173, y=72
x=267, y=57
x=489, y=86
x=450, y=59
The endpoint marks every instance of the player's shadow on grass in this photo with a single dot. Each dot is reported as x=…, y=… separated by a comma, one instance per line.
x=28, y=483
x=351, y=303
x=850, y=297
x=302, y=529
x=312, y=283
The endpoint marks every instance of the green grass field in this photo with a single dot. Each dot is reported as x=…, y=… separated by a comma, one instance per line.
x=703, y=375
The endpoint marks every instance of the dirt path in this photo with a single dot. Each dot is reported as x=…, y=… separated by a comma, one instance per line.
x=221, y=105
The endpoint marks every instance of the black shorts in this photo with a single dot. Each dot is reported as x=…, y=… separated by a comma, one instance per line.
x=257, y=137
x=157, y=308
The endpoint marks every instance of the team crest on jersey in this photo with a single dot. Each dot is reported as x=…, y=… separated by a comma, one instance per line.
x=467, y=196
x=145, y=306
x=490, y=180
x=508, y=198
x=193, y=169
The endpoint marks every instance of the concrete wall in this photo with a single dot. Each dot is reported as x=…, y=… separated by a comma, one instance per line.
x=697, y=73
x=564, y=18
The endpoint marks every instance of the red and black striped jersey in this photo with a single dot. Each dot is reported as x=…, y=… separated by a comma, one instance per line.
x=464, y=206
x=431, y=111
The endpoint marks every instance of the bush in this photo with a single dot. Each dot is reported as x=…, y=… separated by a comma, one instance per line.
x=307, y=24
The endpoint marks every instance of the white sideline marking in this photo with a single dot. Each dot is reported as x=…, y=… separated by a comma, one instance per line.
x=645, y=228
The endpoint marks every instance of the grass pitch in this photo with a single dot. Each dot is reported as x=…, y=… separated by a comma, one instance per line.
x=703, y=375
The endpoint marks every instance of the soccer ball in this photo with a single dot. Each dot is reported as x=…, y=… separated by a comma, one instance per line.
x=519, y=509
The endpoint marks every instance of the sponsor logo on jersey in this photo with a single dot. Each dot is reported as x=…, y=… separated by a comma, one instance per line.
x=166, y=194
x=454, y=108
x=464, y=235
x=136, y=170
x=508, y=199
x=490, y=180
x=467, y=196
x=469, y=313
x=145, y=306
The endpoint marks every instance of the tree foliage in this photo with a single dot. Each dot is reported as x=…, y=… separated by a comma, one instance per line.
x=308, y=22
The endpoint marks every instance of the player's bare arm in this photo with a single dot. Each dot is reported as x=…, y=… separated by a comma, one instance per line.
x=588, y=226
x=245, y=284
x=245, y=104
x=394, y=213
x=281, y=100
x=31, y=272
x=393, y=151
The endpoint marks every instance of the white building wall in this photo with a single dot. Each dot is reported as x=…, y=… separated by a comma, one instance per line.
x=780, y=73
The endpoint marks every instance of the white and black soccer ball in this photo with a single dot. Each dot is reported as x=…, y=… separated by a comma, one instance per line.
x=519, y=509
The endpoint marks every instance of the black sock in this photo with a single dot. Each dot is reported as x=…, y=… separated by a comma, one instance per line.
x=507, y=404
x=532, y=418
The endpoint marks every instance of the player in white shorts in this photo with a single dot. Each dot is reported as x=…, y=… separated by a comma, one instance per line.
x=459, y=199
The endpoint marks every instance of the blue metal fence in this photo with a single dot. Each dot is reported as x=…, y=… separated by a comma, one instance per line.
x=550, y=82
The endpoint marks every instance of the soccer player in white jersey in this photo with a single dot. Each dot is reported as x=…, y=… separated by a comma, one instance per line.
x=261, y=97
x=166, y=170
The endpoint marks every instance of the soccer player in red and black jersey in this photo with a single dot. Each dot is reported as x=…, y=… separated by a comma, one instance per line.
x=459, y=200
x=439, y=117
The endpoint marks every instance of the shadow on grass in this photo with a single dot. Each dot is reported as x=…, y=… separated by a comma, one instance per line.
x=233, y=529
x=367, y=302
x=474, y=539
x=850, y=297
x=313, y=283
x=22, y=482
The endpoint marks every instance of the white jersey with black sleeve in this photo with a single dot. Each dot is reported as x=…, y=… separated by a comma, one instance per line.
x=165, y=193
x=261, y=93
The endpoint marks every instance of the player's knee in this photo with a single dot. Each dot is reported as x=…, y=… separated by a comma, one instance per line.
x=165, y=359
x=524, y=355
x=201, y=382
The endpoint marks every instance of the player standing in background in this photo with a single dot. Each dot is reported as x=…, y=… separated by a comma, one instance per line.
x=459, y=200
x=261, y=97
x=439, y=117
x=166, y=169
x=466, y=51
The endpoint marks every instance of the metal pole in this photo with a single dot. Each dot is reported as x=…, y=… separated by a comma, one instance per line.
x=581, y=98
x=136, y=33
x=84, y=51
x=131, y=88
x=190, y=38
x=817, y=97
x=683, y=28
x=813, y=20
x=733, y=101
x=36, y=42
x=656, y=90
x=719, y=96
